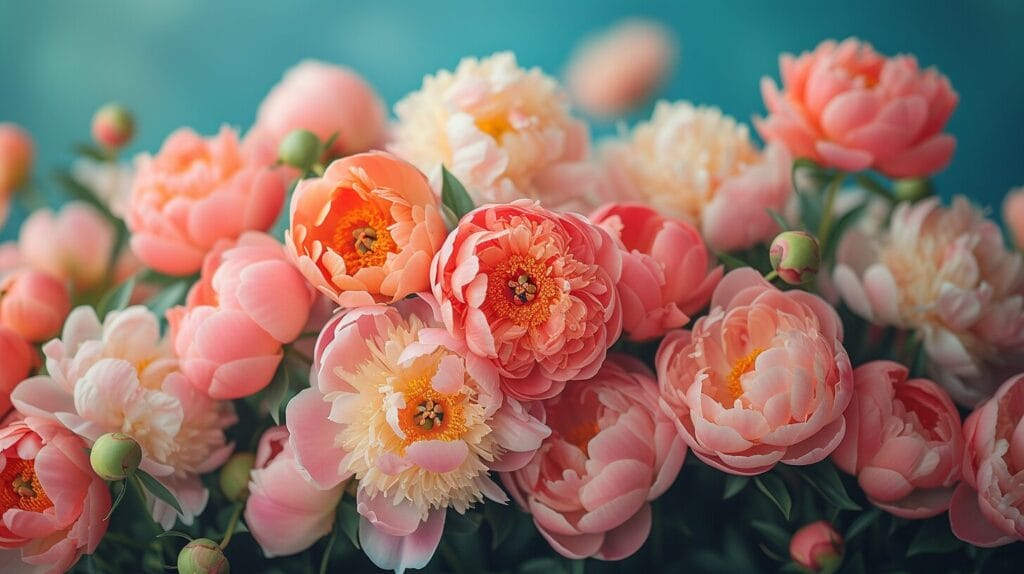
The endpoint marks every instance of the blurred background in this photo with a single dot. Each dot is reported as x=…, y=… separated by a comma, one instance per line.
x=201, y=64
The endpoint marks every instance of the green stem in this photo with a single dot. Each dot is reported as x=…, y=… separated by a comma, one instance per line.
x=451, y=557
x=830, y=200
x=771, y=275
x=869, y=183
x=231, y=525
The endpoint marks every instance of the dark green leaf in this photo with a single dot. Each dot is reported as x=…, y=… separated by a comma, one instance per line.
x=157, y=489
x=848, y=219
x=76, y=190
x=774, y=535
x=869, y=183
x=823, y=478
x=734, y=485
x=117, y=500
x=348, y=520
x=453, y=194
x=775, y=489
x=731, y=261
x=779, y=220
x=542, y=566
x=811, y=209
x=457, y=523
x=933, y=537
x=275, y=393
x=502, y=519
x=92, y=152
x=792, y=568
x=173, y=294
x=117, y=299
x=854, y=565
x=326, y=560
x=330, y=141
x=772, y=554
x=174, y=533
x=862, y=523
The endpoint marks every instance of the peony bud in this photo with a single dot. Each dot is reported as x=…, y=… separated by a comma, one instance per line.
x=16, y=155
x=300, y=148
x=33, y=304
x=113, y=126
x=816, y=546
x=795, y=256
x=202, y=556
x=115, y=455
x=234, y=476
x=912, y=189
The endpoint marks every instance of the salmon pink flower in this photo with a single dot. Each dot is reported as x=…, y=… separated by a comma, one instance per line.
x=611, y=452
x=533, y=291
x=18, y=359
x=76, y=245
x=17, y=152
x=903, y=441
x=195, y=192
x=848, y=107
x=1013, y=216
x=762, y=379
x=33, y=304
x=417, y=419
x=366, y=231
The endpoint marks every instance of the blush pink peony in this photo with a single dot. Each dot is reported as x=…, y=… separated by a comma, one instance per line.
x=33, y=304
x=762, y=379
x=611, y=452
x=848, y=107
x=903, y=441
x=76, y=245
x=18, y=359
x=195, y=192
x=533, y=291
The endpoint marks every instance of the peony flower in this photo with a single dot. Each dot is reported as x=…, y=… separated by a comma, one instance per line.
x=698, y=164
x=120, y=376
x=110, y=182
x=415, y=417
x=113, y=126
x=988, y=506
x=762, y=379
x=53, y=506
x=945, y=274
x=76, y=245
x=532, y=291
x=848, y=107
x=249, y=301
x=816, y=546
x=17, y=153
x=1013, y=216
x=621, y=68
x=285, y=511
x=494, y=125
x=366, y=231
x=611, y=452
x=33, y=304
x=903, y=441
x=18, y=359
x=666, y=269
x=195, y=192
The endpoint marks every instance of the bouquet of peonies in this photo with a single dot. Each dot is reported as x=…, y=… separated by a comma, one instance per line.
x=424, y=342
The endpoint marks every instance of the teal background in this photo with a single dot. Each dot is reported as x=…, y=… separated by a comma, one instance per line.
x=202, y=64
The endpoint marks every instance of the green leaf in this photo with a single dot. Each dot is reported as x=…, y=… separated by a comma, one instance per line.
x=869, y=183
x=76, y=190
x=823, y=478
x=811, y=209
x=326, y=560
x=502, y=518
x=275, y=393
x=157, y=489
x=731, y=261
x=172, y=295
x=775, y=489
x=734, y=485
x=117, y=299
x=453, y=194
x=542, y=566
x=934, y=537
x=458, y=523
x=773, y=534
x=848, y=219
x=779, y=220
x=348, y=520
x=862, y=523
x=117, y=500
x=174, y=533
x=92, y=152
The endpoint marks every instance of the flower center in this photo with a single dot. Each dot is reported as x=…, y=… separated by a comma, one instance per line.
x=495, y=126
x=520, y=289
x=362, y=238
x=740, y=368
x=581, y=434
x=430, y=415
x=20, y=487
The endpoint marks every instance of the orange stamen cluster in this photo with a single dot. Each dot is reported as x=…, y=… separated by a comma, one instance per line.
x=741, y=367
x=494, y=126
x=430, y=415
x=362, y=238
x=20, y=487
x=581, y=434
x=521, y=290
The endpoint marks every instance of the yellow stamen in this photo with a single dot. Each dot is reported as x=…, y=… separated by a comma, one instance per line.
x=520, y=289
x=741, y=367
x=430, y=415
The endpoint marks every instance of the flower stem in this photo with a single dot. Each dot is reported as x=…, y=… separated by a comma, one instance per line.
x=771, y=275
x=830, y=200
x=231, y=525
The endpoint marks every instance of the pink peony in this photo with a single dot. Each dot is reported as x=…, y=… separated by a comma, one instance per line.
x=903, y=441
x=762, y=379
x=53, y=506
x=611, y=452
x=944, y=273
x=366, y=231
x=33, y=304
x=195, y=192
x=417, y=419
x=814, y=546
x=77, y=245
x=18, y=359
x=667, y=273
x=848, y=107
x=249, y=301
x=17, y=153
x=285, y=512
x=1013, y=216
x=988, y=506
x=532, y=291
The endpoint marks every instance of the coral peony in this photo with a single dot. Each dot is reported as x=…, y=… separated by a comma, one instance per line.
x=76, y=245
x=418, y=420
x=762, y=379
x=988, y=507
x=249, y=301
x=18, y=358
x=195, y=192
x=120, y=376
x=285, y=511
x=946, y=274
x=696, y=163
x=1013, y=216
x=816, y=546
x=366, y=231
x=33, y=304
x=611, y=452
x=494, y=125
x=903, y=441
x=667, y=273
x=533, y=291
x=17, y=153
x=848, y=107
x=53, y=506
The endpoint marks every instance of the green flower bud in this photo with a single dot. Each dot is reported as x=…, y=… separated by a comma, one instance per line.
x=115, y=455
x=234, y=476
x=300, y=148
x=202, y=556
x=113, y=126
x=912, y=189
x=795, y=256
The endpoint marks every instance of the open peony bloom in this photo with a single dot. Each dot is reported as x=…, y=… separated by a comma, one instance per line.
x=1013, y=216
x=418, y=420
x=533, y=291
x=197, y=191
x=698, y=164
x=988, y=506
x=946, y=274
x=17, y=152
x=762, y=379
x=848, y=107
x=33, y=304
x=249, y=301
x=18, y=358
x=611, y=452
x=121, y=376
x=499, y=128
x=366, y=231
x=285, y=511
x=328, y=100
x=666, y=269
x=53, y=506
x=77, y=245
x=903, y=441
